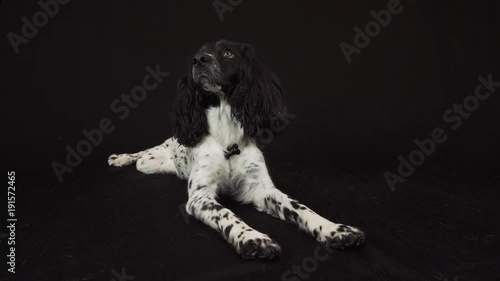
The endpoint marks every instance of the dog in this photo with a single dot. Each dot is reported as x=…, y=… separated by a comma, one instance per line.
x=225, y=99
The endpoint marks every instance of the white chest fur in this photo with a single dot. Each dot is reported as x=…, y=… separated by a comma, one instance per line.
x=221, y=126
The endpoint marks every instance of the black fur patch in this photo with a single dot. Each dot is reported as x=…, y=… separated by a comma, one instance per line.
x=231, y=150
x=211, y=206
x=290, y=215
x=228, y=230
x=342, y=228
x=295, y=204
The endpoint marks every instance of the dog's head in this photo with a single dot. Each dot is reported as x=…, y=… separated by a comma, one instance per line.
x=231, y=71
x=216, y=65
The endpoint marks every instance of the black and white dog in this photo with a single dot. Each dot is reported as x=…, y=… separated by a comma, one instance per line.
x=225, y=98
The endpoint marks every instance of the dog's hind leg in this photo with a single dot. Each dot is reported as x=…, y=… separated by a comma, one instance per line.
x=151, y=161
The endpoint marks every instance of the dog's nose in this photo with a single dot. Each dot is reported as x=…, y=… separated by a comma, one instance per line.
x=200, y=60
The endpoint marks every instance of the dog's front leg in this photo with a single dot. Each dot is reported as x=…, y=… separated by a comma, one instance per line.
x=206, y=176
x=255, y=186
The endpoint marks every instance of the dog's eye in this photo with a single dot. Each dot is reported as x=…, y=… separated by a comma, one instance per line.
x=228, y=54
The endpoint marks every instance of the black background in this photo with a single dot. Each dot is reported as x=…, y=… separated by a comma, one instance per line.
x=352, y=121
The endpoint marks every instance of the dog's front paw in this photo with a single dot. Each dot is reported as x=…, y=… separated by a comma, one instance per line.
x=341, y=236
x=120, y=160
x=258, y=248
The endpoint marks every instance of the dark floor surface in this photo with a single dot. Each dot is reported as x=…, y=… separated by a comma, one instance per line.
x=109, y=219
x=353, y=119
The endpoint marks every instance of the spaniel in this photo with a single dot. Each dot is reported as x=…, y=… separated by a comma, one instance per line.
x=226, y=98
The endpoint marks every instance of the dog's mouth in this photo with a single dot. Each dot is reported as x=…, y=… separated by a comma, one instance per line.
x=208, y=84
x=204, y=80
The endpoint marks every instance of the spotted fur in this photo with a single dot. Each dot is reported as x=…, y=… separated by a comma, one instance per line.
x=245, y=176
x=221, y=156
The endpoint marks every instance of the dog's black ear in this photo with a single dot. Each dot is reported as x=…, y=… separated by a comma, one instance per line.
x=258, y=98
x=190, y=121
